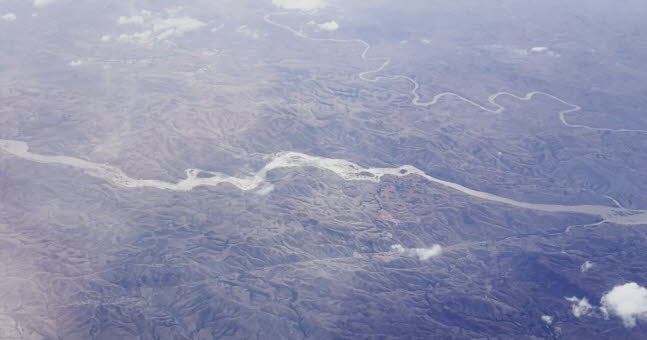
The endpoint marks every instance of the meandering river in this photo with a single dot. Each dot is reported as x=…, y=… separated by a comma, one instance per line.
x=345, y=169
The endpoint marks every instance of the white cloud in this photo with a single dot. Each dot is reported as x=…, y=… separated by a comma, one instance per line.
x=75, y=63
x=143, y=38
x=425, y=41
x=42, y=3
x=627, y=301
x=421, y=253
x=547, y=319
x=106, y=37
x=244, y=29
x=156, y=28
x=580, y=307
x=8, y=17
x=135, y=19
x=543, y=50
x=586, y=266
x=304, y=5
x=175, y=27
x=329, y=26
x=538, y=49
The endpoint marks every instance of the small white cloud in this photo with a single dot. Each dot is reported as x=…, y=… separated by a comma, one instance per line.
x=329, y=26
x=421, y=253
x=156, y=27
x=586, y=266
x=538, y=49
x=8, y=17
x=547, y=319
x=250, y=33
x=425, y=41
x=544, y=50
x=106, y=37
x=175, y=27
x=580, y=307
x=75, y=63
x=137, y=38
x=42, y=3
x=627, y=301
x=135, y=19
x=304, y=5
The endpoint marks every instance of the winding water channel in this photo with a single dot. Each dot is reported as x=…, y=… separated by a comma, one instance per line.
x=345, y=169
